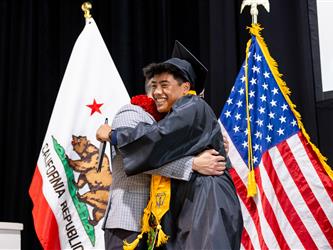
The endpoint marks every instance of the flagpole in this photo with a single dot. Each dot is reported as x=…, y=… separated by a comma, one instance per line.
x=251, y=189
x=86, y=7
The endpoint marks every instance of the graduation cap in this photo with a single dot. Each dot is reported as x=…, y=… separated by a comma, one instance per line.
x=192, y=69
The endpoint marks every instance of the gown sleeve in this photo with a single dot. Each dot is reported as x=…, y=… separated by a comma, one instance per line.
x=190, y=128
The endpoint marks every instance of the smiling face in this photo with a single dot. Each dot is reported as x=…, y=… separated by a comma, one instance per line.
x=167, y=90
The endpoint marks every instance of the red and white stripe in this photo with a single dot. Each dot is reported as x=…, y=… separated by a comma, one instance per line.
x=293, y=208
x=47, y=233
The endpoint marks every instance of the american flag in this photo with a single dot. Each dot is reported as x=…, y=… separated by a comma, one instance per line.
x=293, y=207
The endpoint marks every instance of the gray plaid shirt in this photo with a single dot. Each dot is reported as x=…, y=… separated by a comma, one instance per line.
x=129, y=195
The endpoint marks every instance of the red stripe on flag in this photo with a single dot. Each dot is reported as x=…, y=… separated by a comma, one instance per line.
x=246, y=241
x=269, y=213
x=45, y=223
x=286, y=205
x=305, y=191
x=325, y=179
x=249, y=204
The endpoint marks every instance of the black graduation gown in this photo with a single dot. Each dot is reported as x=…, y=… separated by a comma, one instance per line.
x=207, y=207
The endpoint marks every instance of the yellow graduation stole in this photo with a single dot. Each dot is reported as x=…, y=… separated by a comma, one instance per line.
x=158, y=205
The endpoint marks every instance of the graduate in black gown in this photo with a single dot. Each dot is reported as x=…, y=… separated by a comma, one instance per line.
x=206, y=209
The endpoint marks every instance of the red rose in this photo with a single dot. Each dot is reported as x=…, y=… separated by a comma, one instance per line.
x=148, y=104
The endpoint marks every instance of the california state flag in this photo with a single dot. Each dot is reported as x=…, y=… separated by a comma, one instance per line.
x=69, y=195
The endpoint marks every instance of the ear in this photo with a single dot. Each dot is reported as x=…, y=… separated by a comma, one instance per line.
x=186, y=87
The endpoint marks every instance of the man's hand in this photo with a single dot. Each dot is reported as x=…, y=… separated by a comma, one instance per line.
x=209, y=162
x=103, y=132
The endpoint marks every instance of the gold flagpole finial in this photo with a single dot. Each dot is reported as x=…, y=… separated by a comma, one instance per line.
x=86, y=6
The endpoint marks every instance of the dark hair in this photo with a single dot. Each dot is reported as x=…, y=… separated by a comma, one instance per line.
x=159, y=68
x=147, y=86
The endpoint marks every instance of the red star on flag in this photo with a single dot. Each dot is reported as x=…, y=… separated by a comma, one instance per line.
x=95, y=107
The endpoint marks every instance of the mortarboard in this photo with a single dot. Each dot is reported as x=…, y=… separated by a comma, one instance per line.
x=192, y=69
